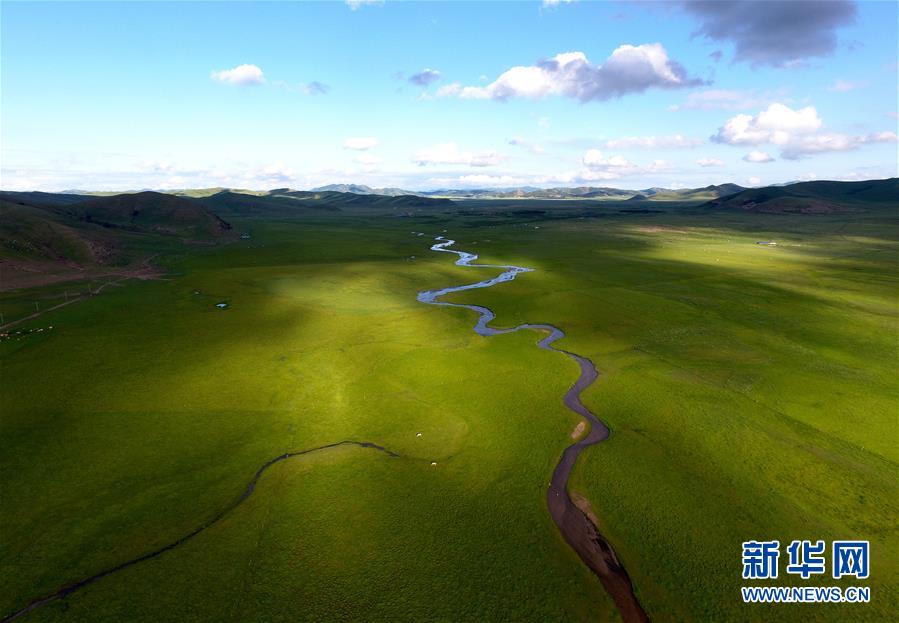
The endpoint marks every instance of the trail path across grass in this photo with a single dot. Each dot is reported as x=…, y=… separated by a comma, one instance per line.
x=71, y=588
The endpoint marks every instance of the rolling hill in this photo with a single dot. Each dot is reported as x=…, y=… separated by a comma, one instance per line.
x=47, y=237
x=813, y=197
x=151, y=212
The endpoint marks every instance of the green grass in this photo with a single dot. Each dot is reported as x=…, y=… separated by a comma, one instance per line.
x=751, y=393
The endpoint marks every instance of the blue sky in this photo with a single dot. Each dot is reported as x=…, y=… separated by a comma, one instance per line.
x=120, y=96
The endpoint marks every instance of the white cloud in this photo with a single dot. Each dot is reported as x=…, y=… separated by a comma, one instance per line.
x=758, y=156
x=594, y=159
x=552, y=4
x=355, y=4
x=754, y=181
x=720, y=99
x=653, y=142
x=629, y=69
x=449, y=153
x=597, y=166
x=809, y=145
x=777, y=124
x=242, y=75
x=709, y=162
x=796, y=132
x=360, y=143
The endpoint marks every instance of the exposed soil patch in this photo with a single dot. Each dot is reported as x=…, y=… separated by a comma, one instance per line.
x=579, y=429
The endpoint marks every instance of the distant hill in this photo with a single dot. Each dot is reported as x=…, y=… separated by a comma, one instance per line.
x=151, y=212
x=284, y=201
x=529, y=192
x=361, y=189
x=49, y=237
x=32, y=234
x=38, y=198
x=690, y=194
x=813, y=197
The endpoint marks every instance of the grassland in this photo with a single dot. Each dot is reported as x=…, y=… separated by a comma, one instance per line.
x=751, y=391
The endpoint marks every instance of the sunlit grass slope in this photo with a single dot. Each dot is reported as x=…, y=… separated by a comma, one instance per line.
x=751, y=392
x=148, y=409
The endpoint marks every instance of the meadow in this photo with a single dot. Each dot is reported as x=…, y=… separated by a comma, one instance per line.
x=750, y=389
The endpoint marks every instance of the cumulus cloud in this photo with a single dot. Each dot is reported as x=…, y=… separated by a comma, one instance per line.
x=449, y=153
x=531, y=147
x=754, y=181
x=360, y=143
x=675, y=141
x=778, y=124
x=597, y=166
x=780, y=33
x=709, y=162
x=809, y=145
x=721, y=99
x=425, y=77
x=242, y=75
x=552, y=4
x=758, y=156
x=629, y=69
x=795, y=132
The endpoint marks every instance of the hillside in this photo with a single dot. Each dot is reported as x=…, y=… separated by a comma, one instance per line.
x=150, y=211
x=47, y=237
x=813, y=197
x=689, y=194
x=361, y=189
x=286, y=202
x=529, y=192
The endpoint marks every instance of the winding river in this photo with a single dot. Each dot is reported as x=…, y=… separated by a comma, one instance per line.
x=576, y=527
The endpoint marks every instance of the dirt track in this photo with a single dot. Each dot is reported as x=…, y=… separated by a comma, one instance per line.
x=71, y=588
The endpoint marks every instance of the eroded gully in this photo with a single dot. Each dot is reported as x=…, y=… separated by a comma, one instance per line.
x=576, y=527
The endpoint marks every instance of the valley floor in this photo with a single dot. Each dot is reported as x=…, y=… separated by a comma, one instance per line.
x=750, y=390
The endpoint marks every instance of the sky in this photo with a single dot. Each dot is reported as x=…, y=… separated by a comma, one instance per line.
x=429, y=95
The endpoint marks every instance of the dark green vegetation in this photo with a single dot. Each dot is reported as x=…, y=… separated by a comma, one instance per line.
x=751, y=391
x=812, y=197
